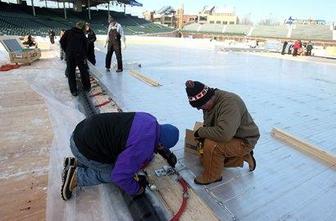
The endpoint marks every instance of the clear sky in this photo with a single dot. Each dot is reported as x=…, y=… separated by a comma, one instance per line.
x=258, y=9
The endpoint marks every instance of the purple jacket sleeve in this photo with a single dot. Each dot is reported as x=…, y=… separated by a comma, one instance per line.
x=139, y=150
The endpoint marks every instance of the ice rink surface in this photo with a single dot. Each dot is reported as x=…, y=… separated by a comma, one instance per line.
x=298, y=97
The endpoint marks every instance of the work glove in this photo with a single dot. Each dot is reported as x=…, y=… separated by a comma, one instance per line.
x=169, y=156
x=143, y=183
x=172, y=160
x=197, y=137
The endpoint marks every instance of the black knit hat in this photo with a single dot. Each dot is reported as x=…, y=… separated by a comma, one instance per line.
x=198, y=93
x=81, y=25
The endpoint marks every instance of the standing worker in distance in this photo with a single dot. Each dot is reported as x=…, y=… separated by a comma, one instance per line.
x=113, y=147
x=51, y=35
x=91, y=37
x=115, y=34
x=75, y=44
x=229, y=134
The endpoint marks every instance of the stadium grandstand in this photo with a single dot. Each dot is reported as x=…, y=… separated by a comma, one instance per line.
x=224, y=22
x=18, y=19
x=295, y=31
x=87, y=114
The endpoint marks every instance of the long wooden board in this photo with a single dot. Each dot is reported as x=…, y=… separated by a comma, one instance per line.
x=170, y=192
x=304, y=146
x=144, y=78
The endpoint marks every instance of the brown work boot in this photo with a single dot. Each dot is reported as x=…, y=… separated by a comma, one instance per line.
x=202, y=180
x=201, y=159
x=233, y=162
x=213, y=163
x=249, y=158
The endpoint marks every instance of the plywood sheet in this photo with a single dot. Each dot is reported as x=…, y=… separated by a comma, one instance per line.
x=25, y=138
x=170, y=191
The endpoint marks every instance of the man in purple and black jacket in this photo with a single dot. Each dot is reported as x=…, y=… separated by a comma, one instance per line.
x=113, y=147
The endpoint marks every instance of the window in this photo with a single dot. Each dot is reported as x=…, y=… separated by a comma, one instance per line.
x=231, y=22
x=203, y=18
x=212, y=22
x=218, y=22
x=224, y=22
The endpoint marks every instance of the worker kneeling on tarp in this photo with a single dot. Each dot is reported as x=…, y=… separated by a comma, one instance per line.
x=229, y=133
x=113, y=147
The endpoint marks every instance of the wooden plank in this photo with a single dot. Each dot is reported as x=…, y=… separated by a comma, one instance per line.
x=144, y=78
x=190, y=144
x=304, y=146
x=100, y=98
x=170, y=191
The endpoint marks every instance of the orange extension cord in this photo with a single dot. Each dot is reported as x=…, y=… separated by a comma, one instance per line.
x=7, y=67
x=185, y=195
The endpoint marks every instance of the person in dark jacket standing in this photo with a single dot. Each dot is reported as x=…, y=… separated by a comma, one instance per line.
x=51, y=35
x=74, y=43
x=113, y=147
x=229, y=134
x=115, y=34
x=91, y=37
x=62, y=53
x=284, y=46
x=309, y=48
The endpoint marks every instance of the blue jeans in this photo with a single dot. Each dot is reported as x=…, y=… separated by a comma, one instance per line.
x=90, y=172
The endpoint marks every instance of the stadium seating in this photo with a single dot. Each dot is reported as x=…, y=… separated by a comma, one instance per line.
x=193, y=27
x=270, y=31
x=238, y=29
x=18, y=20
x=306, y=32
x=211, y=28
x=320, y=32
x=219, y=28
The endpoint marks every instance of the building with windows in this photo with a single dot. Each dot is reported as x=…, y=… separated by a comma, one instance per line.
x=213, y=15
x=182, y=19
x=165, y=16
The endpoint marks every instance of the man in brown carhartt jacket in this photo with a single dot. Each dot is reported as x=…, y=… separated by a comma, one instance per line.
x=229, y=133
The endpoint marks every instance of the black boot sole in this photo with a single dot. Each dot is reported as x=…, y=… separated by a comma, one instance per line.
x=69, y=161
x=198, y=183
x=254, y=162
x=66, y=193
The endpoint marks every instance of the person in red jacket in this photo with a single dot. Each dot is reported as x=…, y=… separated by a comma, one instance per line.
x=297, y=46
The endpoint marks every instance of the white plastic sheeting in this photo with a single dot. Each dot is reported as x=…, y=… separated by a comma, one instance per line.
x=4, y=58
x=103, y=202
